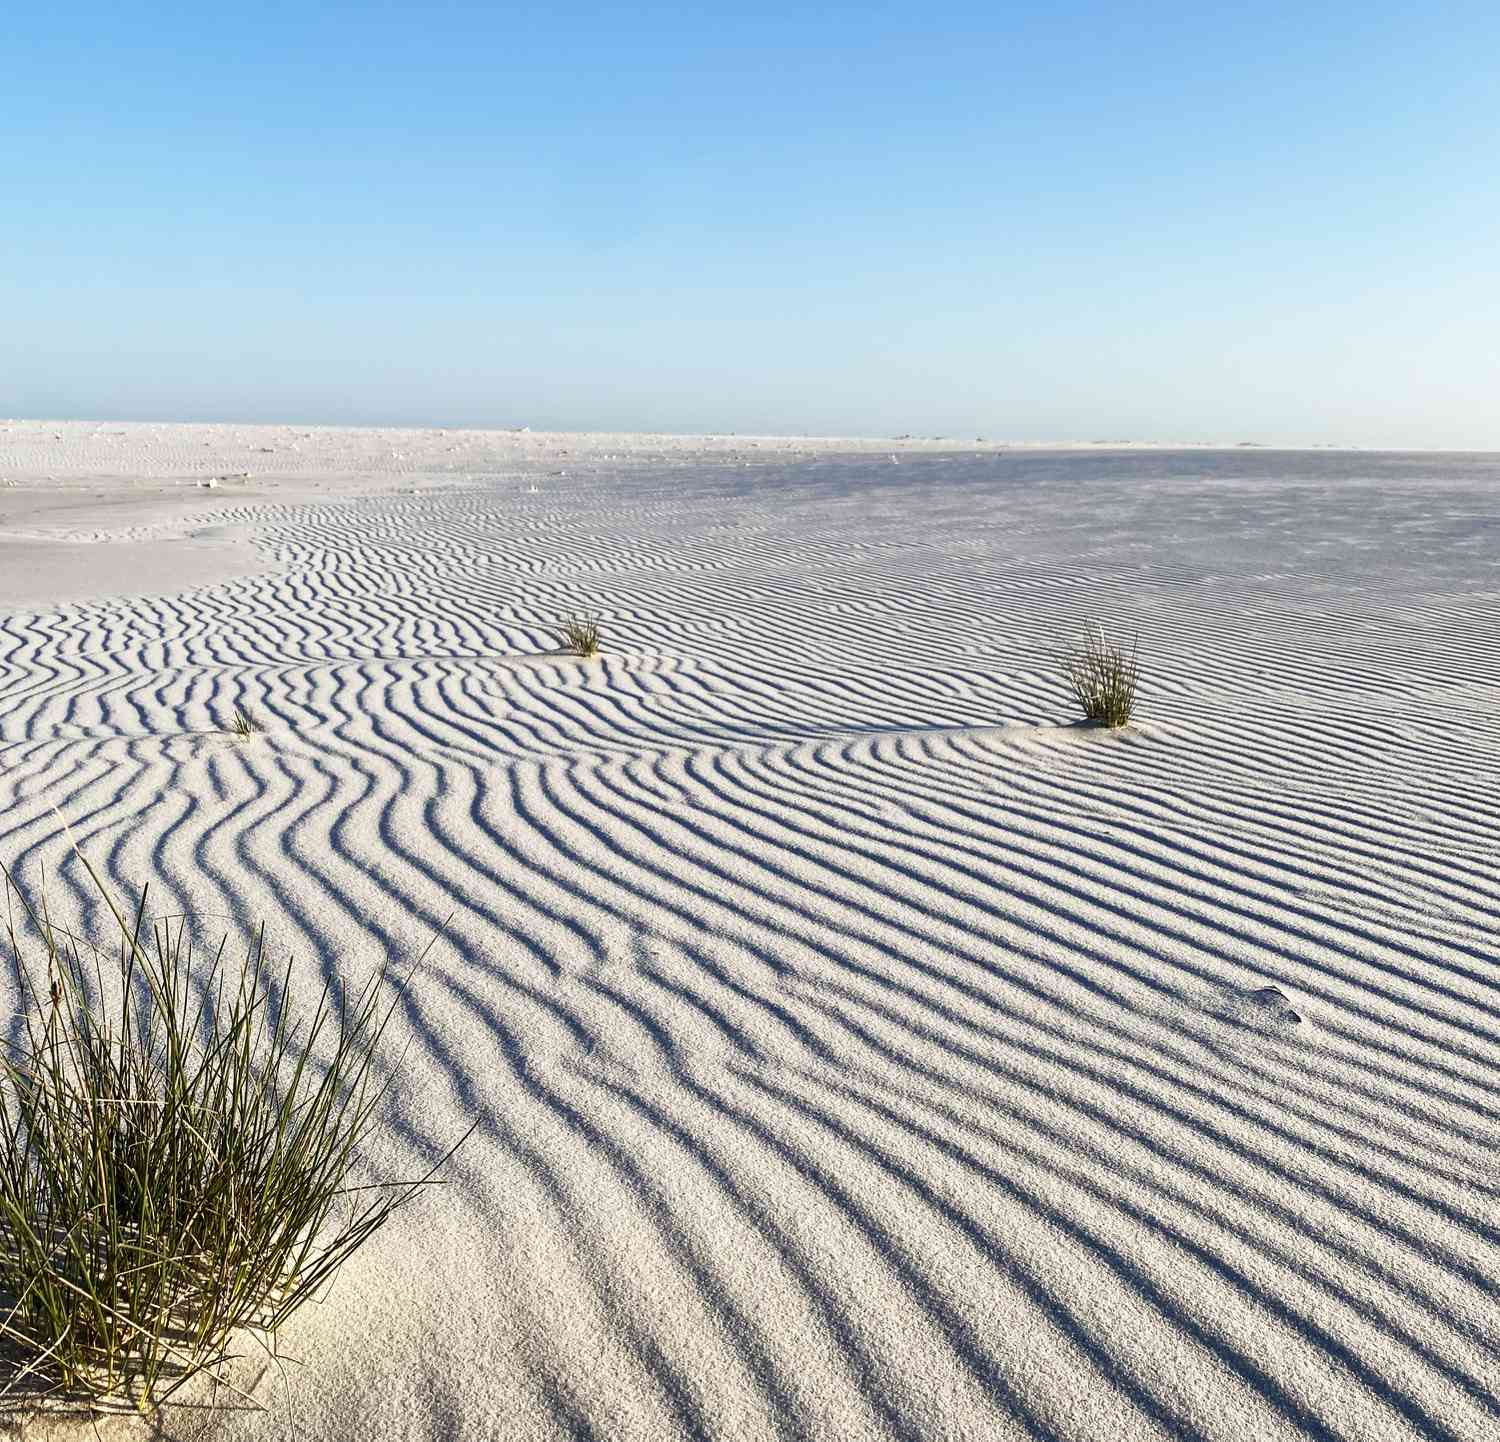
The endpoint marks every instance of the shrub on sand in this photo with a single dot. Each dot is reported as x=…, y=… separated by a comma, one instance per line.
x=580, y=634
x=1102, y=677
x=176, y=1151
x=242, y=723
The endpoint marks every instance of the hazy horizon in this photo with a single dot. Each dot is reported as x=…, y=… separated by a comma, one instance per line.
x=960, y=439
x=1070, y=224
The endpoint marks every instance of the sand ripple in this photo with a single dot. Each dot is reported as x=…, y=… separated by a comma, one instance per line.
x=864, y=1051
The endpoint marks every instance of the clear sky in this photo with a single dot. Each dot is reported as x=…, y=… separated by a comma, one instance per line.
x=1204, y=220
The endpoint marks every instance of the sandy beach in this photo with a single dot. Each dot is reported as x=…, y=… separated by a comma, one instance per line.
x=862, y=1049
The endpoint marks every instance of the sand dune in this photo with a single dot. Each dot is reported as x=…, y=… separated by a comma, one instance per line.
x=863, y=1050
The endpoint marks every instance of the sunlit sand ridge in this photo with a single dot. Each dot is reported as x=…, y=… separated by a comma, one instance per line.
x=863, y=1050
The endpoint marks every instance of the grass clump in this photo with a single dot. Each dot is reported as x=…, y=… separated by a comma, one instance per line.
x=242, y=723
x=176, y=1152
x=580, y=635
x=1102, y=677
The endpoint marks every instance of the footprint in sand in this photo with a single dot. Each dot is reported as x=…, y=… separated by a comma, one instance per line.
x=1228, y=1019
x=1264, y=1008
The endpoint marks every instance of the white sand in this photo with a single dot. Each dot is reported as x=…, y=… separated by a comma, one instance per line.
x=863, y=1051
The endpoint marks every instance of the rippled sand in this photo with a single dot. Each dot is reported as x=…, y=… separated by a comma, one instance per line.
x=863, y=1050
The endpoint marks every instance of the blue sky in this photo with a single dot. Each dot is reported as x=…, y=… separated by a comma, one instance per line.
x=1073, y=220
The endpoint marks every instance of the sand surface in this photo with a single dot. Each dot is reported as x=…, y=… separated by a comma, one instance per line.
x=862, y=1050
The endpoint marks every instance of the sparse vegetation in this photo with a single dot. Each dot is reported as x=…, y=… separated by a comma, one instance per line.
x=1102, y=677
x=580, y=634
x=176, y=1151
x=242, y=723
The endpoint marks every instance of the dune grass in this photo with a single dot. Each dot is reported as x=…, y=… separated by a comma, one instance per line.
x=242, y=723
x=580, y=634
x=178, y=1140
x=1102, y=677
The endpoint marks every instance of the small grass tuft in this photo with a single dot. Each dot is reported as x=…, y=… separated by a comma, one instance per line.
x=179, y=1143
x=242, y=723
x=1102, y=677
x=580, y=634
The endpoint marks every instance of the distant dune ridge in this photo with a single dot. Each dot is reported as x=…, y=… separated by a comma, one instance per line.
x=865, y=1050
